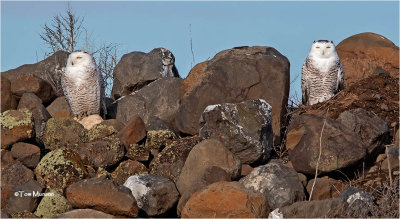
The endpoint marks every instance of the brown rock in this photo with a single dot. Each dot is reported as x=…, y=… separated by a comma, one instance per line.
x=118, y=126
x=27, y=154
x=325, y=188
x=16, y=125
x=133, y=132
x=8, y=101
x=330, y=208
x=29, y=83
x=221, y=80
x=126, y=169
x=59, y=108
x=40, y=115
x=170, y=161
x=226, y=199
x=21, y=202
x=6, y=158
x=365, y=53
x=340, y=147
x=14, y=174
x=246, y=169
x=138, y=152
x=85, y=213
x=103, y=195
x=158, y=139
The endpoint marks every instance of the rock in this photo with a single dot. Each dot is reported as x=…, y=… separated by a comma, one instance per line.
x=156, y=141
x=27, y=154
x=21, y=201
x=24, y=214
x=209, y=176
x=126, y=169
x=59, y=169
x=325, y=188
x=361, y=203
x=155, y=123
x=160, y=99
x=29, y=83
x=133, y=132
x=118, y=126
x=100, y=131
x=393, y=159
x=40, y=115
x=90, y=121
x=206, y=154
x=363, y=53
x=16, y=125
x=49, y=69
x=154, y=194
x=52, y=205
x=100, y=153
x=279, y=184
x=137, y=69
x=61, y=132
x=328, y=208
x=302, y=178
x=340, y=147
x=169, y=162
x=6, y=158
x=12, y=175
x=244, y=128
x=113, y=199
x=138, y=152
x=221, y=80
x=59, y=108
x=4, y=213
x=226, y=199
x=396, y=139
x=8, y=101
x=374, y=131
x=84, y=213
x=246, y=170
x=351, y=194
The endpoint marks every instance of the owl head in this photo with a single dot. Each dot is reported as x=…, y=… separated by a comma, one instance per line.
x=323, y=49
x=80, y=58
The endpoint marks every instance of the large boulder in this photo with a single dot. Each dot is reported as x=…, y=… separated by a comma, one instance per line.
x=8, y=101
x=16, y=125
x=30, y=83
x=364, y=54
x=160, y=99
x=340, y=147
x=279, y=184
x=103, y=195
x=49, y=69
x=137, y=69
x=154, y=194
x=226, y=200
x=374, y=131
x=244, y=128
x=330, y=208
x=232, y=76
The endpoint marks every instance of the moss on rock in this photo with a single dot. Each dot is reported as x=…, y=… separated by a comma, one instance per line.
x=61, y=132
x=52, y=205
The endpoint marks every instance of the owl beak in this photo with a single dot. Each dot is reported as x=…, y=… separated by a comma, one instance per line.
x=72, y=63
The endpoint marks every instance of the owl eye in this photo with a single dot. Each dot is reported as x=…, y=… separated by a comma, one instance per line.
x=328, y=47
x=317, y=47
x=78, y=57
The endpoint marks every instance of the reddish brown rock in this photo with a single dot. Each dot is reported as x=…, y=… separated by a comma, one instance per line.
x=138, y=152
x=246, y=169
x=221, y=80
x=29, y=83
x=28, y=154
x=59, y=108
x=325, y=188
x=340, y=147
x=21, y=202
x=6, y=158
x=103, y=195
x=14, y=174
x=364, y=54
x=118, y=126
x=133, y=132
x=84, y=213
x=126, y=169
x=8, y=101
x=330, y=208
x=226, y=199
x=16, y=125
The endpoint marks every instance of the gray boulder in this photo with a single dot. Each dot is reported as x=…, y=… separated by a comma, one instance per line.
x=154, y=194
x=244, y=128
x=138, y=69
x=279, y=184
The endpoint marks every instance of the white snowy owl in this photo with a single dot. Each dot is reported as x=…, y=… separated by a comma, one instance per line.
x=83, y=85
x=322, y=73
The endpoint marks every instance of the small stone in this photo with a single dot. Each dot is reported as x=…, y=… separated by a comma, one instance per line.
x=246, y=169
x=126, y=169
x=28, y=154
x=21, y=201
x=157, y=140
x=16, y=125
x=52, y=205
x=138, y=152
x=118, y=126
x=59, y=108
x=132, y=133
x=89, y=121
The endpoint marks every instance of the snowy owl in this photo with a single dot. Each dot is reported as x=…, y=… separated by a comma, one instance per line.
x=83, y=85
x=322, y=73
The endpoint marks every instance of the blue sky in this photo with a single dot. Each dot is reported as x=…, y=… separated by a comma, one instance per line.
x=290, y=27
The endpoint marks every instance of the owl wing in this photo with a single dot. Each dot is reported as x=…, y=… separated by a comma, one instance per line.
x=340, y=77
x=304, y=83
x=64, y=82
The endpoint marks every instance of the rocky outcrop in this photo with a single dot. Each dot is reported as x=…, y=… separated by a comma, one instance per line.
x=226, y=200
x=279, y=184
x=160, y=99
x=365, y=54
x=232, y=76
x=103, y=195
x=154, y=194
x=340, y=147
x=244, y=128
x=16, y=125
x=29, y=83
x=138, y=69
